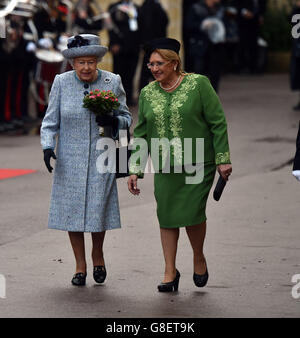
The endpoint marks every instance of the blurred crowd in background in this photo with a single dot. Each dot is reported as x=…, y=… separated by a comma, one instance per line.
x=217, y=37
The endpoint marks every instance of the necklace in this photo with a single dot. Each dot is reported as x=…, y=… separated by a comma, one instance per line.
x=175, y=84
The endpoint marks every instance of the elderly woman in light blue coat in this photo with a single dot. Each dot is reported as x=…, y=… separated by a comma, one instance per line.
x=82, y=199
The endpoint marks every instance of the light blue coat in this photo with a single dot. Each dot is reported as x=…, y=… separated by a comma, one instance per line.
x=82, y=199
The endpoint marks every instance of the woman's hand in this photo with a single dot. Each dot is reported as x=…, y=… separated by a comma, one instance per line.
x=225, y=170
x=132, y=185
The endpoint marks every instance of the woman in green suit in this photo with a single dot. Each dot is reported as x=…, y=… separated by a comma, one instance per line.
x=180, y=106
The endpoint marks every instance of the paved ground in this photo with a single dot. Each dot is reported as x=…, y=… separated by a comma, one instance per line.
x=253, y=237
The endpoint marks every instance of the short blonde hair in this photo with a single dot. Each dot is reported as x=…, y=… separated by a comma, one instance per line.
x=170, y=55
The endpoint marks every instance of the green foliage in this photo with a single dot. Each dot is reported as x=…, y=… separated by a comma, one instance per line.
x=277, y=27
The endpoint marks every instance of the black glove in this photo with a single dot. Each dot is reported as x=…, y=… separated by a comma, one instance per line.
x=107, y=120
x=48, y=153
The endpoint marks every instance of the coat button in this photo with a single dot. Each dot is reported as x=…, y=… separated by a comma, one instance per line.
x=86, y=86
x=85, y=93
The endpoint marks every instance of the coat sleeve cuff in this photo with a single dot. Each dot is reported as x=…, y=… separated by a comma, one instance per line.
x=48, y=142
x=223, y=158
x=135, y=170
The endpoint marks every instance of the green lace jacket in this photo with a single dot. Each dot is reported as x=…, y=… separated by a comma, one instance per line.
x=193, y=110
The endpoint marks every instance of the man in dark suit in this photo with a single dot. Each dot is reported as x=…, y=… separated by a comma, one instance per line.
x=124, y=43
x=251, y=13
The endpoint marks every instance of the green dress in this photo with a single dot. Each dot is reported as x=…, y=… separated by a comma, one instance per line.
x=192, y=111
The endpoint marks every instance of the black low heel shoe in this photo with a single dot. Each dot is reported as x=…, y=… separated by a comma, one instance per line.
x=170, y=286
x=201, y=280
x=99, y=274
x=79, y=279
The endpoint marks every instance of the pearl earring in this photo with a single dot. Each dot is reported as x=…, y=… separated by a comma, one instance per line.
x=175, y=68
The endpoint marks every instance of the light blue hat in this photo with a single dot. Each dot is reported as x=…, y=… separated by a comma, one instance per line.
x=84, y=45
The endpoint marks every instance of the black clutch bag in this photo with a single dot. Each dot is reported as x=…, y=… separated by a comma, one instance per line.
x=122, y=158
x=219, y=188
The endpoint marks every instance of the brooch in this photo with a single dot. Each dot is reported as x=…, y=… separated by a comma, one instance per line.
x=107, y=80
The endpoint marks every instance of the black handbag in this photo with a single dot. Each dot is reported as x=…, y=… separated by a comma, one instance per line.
x=219, y=188
x=123, y=154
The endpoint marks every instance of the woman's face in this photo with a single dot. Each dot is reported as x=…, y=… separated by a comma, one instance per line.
x=161, y=69
x=86, y=68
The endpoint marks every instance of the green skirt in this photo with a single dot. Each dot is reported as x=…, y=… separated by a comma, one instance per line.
x=180, y=204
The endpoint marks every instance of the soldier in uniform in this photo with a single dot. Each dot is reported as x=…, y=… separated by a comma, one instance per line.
x=84, y=17
x=295, y=60
x=188, y=61
x=232, y=35
x=153, y=23
x=206, y=51
x=14, y=80
x=251, y=14
x=124, y=43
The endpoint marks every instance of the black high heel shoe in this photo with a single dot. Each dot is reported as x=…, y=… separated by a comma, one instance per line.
x=79, y=279
x=201, y=280
x=99, y=274
x=170, y=286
